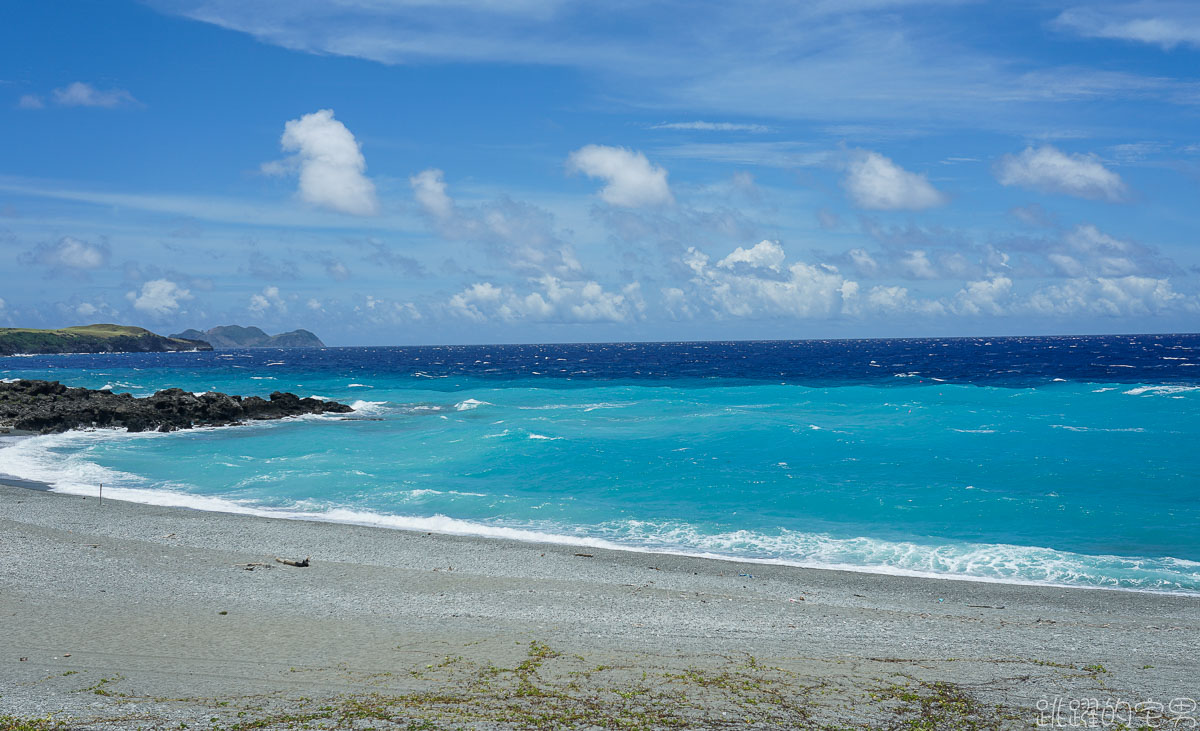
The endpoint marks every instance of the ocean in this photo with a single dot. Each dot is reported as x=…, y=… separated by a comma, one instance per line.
x=1054, y=460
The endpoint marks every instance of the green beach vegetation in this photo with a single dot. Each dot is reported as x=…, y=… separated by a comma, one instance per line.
x=99, y=338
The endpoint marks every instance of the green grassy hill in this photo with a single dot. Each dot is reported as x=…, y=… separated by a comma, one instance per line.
x=100, y=338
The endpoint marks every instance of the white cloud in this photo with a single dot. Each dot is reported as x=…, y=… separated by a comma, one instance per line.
x=520, y=235
x=551, y=300
x=983, y=297
x=331, y=165
x=337, y=270
x=713, y=127
x=763, y=255
x=69, y=253
x=863, y=262
x=429, y=188
x=891, y=299
x=1165, y=24
x=79, y=94
x=916, y=264
x=800, y=290
x=630, y=179
x=891, y=61
x=384, y=311
x=1129, y=296
x=874, y=182
x=30, y=101
x=159, y=297
x=269, y=299
x=1049, y=169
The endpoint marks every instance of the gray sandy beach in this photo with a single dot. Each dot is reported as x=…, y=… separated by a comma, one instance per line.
x=124, y=615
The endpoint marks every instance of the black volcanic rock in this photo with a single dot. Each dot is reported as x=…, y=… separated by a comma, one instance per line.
x=236, y=336
x=48, y=407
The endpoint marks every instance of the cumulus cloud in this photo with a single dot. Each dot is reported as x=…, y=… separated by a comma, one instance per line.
x=763, y=255
x=159, y=297
x=550, y=299
x=756, y=282
x=630, y=179
x=329, y=162
x=1162, y=24
x=68, y=254
x=1051, y=170
x=876, y=183
x=429, y=188
x=31, y=101
x=79, y=94
x=1129, y=296
x=984, y=297
x=267, y=301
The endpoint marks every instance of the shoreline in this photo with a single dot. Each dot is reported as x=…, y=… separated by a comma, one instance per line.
x=190, y=605
x=531, y=536
x=534, y=537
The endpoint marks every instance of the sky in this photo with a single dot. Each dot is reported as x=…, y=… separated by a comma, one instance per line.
x=390, y=172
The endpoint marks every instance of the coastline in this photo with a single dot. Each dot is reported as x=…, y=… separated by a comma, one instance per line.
x=134, y=594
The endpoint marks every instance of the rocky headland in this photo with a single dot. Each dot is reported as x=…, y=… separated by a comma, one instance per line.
x=49, y=407
x=100, y=338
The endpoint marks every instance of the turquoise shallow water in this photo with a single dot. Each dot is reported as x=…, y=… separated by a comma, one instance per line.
x=1077, y=482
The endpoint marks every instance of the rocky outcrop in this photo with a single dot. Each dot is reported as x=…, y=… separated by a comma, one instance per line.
x=48, y=407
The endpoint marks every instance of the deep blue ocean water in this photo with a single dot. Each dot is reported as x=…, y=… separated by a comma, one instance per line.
x=1066, y=460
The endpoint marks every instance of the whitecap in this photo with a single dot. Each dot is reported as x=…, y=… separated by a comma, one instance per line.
x=1159, y=390
x=469, y=404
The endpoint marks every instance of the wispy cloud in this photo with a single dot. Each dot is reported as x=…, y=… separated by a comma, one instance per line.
x=1164, y=24
x=79, y=94
x=713, y=127
x=866, y=60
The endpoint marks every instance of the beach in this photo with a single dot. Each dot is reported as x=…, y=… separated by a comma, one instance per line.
x=122, y=615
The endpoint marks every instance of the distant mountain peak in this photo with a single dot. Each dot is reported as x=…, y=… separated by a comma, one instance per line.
x=240, y=336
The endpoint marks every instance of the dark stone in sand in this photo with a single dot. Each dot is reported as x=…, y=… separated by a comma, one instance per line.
x=48, y=407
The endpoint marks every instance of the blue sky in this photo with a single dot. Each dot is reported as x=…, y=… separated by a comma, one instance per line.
x=411, y=171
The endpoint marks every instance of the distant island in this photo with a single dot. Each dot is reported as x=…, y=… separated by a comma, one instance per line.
x=100, y=338
x=236, y=336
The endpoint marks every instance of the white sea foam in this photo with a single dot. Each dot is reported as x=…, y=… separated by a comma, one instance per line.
x=974, y=431
x=359, y=385
x=543, y=437
x=1160, y=390
x=469, y=404
x=39, y=458
x=1097, y=428
x=368, y=407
